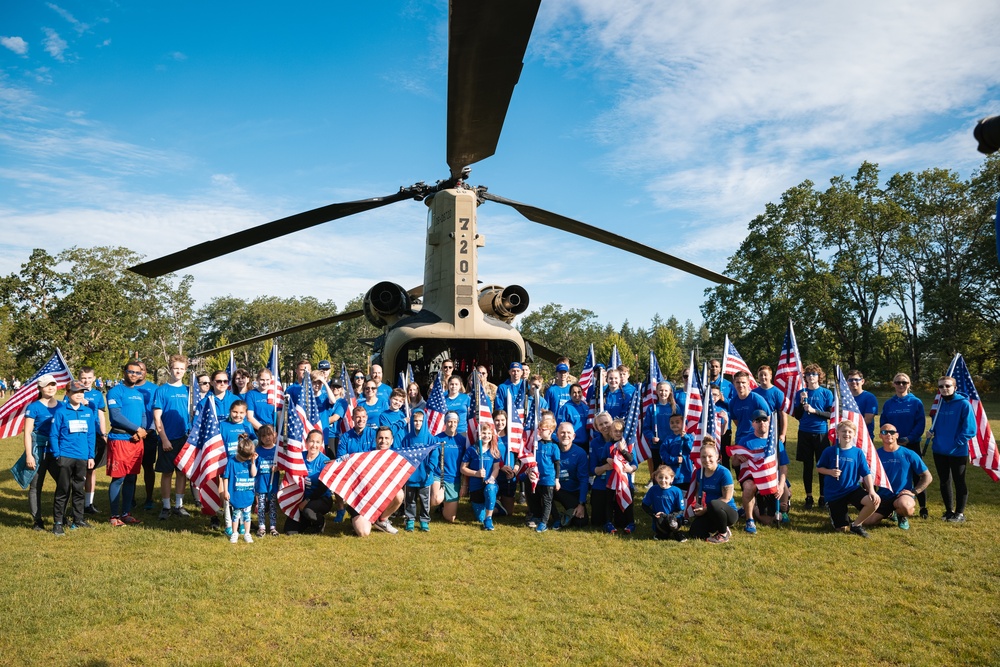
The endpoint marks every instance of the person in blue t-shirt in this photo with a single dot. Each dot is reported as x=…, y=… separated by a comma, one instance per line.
x=954, y=427
x=266, y=481
x=904, y=412
x=509, y=466
x=37, y=456
x=259, y=410
x=127, y=414
x=236, y=487
x=813, y=410
x=317, y=500
x=242, y=384
x=373, y=404
x=743, y=404
x=656, y=423
x=358, y=439
x=148, y=389
x=452, y=448
x=557, y=394
x=575, y=411
x=395, y=417
x=574, y=480
x=664, y=503
x=235, y=426
x=544, y=477
x=71, y=441
x=850, y=481
x=775, y=399
x=599, y=448
x=458, y=402
x=865, y=399
x=480, y=466
x=902, y=466
x=172, y=421
x=713, y=507
x=675, y=452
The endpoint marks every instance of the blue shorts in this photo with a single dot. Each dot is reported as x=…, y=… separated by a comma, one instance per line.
x=450, y=492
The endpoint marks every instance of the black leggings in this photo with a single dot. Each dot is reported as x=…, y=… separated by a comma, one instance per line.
x=718, y=516
x=948, y=468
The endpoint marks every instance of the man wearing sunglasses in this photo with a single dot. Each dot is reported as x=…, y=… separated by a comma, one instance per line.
x=954, y=427
x=901, y=466
x=904, y=412
x=865, y=399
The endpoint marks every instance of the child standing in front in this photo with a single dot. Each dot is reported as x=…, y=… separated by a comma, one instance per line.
x=665, y=504
x=266, y=481
x=237, y=488
x=481, y=464
x=675, y=451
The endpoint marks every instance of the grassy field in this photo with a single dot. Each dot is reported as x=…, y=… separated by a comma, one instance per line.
x=175, y=593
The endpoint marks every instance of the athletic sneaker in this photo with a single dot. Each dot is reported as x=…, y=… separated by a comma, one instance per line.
x=680, y=537
x=234, y=538
x=426, y=527
x=751, y=527
x=610, y=529
x=58, y=531
x=541, y=528
x=957, y=518
x=149, y=505
x=181, y=512
x=718, y=538
x=821, y=504
x=499, y=509
x=924, y=513
x=809, y=503
x=859, y=530
x=116, y=522
x=339, y=516
x=248, y=538
x=130, y=520
x=385, y=527
x=531, y=523
x=488, y=523
x=409, y=526
x=164, y=514
x=903, y=523
x=214, y=523
x=947, y=515
x=785, y=519
x=90, y=509
x=261, y=532
x=629, y=529
x=741, y=514
x=728, y=533
x=38, y=526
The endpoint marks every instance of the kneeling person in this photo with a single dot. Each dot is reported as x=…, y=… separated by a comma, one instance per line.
x=665, y=504
x=843, y=466
x=574, y=480
x=902, y=466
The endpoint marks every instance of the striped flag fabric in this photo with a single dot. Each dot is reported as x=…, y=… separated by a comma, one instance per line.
x=587, y=372
x=595, y=401
x=515, y=428
x=653, y=377
x=275, y=392
x=831, y=429
x=788, y=376
x=436, y=407
x=707, y=426
x=762, y=465
x=205, y=444
x=633, y=432
x=693, y=403
x=307, y=409
x=289, y=458
x=982, y=448
x=483, y=414
x=231, y=366
x=732, y=362
x=849, y=410
x=368, y=481
x=347, y=422
x=618, y=480
x=12, y=412
x=527, y=455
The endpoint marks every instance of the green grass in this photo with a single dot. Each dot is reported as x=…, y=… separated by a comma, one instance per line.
x=173, y=593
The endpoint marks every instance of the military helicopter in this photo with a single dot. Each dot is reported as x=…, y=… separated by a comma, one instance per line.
x=450, y=316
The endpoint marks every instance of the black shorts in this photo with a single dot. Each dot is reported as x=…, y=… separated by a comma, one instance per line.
x=150, y=445
x=838, y=507
x=766, y=505
x=478, y=497
x=810, y=446
x=165, y=460
x=100, y=451
x=506, y=488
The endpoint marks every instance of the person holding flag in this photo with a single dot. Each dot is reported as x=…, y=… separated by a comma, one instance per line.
x=850, y=482
x=813, y=409
x=756, y=458
x=317, y=500
x=597, y=464
x=953, y=428
x=656, y=422
x=480, y=466
x=38, y=418
x=903, y=412
x=452, y=446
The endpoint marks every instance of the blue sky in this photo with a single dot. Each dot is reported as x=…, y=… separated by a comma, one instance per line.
x=160, y=125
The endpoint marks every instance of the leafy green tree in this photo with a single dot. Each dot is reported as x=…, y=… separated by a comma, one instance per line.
x=668, y=351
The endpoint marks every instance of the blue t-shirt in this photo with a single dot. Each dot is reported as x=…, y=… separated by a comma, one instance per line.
x=820, y=399
x=173, y=401
x=314, y=487
x=475, y=458
x=741, y=410
x=556, y=397
x=148, y=390
x=853, y=467
x=575, y=414
x=454, y=450
x=353, y=442
x=396, y=420
x=74, y=431
x=265, y=482
x=42, y=414
x=222, y=405
x=678, y=447
x=460, y=405
x=869, y=406
x=712, y=486
x=547, y=460
x=240, y=483
x=574, y=475
x=374, y=411
x=95, y=396
x=231, y=435
x=258, y=405
x=600, y=452
x=506, y=387
x=127, y=408
x=774, y=397
x=656, y=422
x=901, y=466
x=668, y=500
x=726, y=387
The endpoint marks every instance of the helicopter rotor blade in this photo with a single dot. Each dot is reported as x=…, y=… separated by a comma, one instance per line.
x=572, y=226
x=202, y=252
x=486, y=44
x=542, y=352
x=342, y=317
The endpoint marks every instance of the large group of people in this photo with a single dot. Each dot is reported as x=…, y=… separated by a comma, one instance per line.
x=580, y=462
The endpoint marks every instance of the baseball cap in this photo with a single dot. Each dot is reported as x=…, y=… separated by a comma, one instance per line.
x=75, y=386
x=516, y=364
x=323, y=365
x=759, y=414
x=46, y=380
x=562, y=367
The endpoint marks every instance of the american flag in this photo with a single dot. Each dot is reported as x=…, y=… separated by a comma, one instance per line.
x=982, y=448
x=405, y=377
x=515, y=428
x=693, y=402
x=12, y=412
x=482, y=414
x=618, y=479
x=762, y=466
x=347, y=422
x=788, y=377
x=275, y=392
x=831, y=428
x=615, y=360
x=307, y=409
x=290, y=459
x=368, y=481
x=587, y=372
x=596, y=401
x=707, y=426
x=203, y=457
x=527, y=455
x=653, y=377
x=732, y=362
x=633, y=432
x=436, y=407
x=231, y=368
x=849, y=410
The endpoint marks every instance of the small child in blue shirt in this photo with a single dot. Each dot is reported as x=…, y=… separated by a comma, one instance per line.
x=665, y=504
x=675, y=451
x=266, y=481
x=236, y=487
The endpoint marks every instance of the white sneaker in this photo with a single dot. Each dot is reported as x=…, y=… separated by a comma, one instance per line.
x=234, y=538
x=247, y=538
x=385, y=527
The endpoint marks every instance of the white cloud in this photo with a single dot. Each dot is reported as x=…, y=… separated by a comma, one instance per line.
x=77, y=25
x=15, y=44
x=55, y=45
x=177, y=55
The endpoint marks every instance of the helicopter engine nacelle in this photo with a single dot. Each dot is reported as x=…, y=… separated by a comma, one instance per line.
x=385, y=303
x=503, y=303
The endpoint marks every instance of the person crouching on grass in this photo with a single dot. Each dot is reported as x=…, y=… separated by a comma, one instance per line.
x=236, y=486
x=480, y=465
x=714, y=509
x=843, y=467
x=901, y=467
x=665, y=504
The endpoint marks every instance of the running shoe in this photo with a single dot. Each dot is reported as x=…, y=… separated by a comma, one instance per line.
x=859, y=530
x=424, y=526
x=116, y=522
x=58, y=531
x=751, y=527
x=385, y=527
x=541, y=527
x=957, y=518
x=903, y=523
x=924, y=513
x=409, y=526
x=164, y=514
x=130, y=520
x=488, y=523
x=181, y=512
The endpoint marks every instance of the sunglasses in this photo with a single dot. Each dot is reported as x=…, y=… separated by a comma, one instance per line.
x=758, y=420
x=945, y=386
x=370, y=388
x=808, y=374
x=221, y=381
x=901, y=382
x=133, y=372
x=202, y=384
x=855, y=380
x=885, y=432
